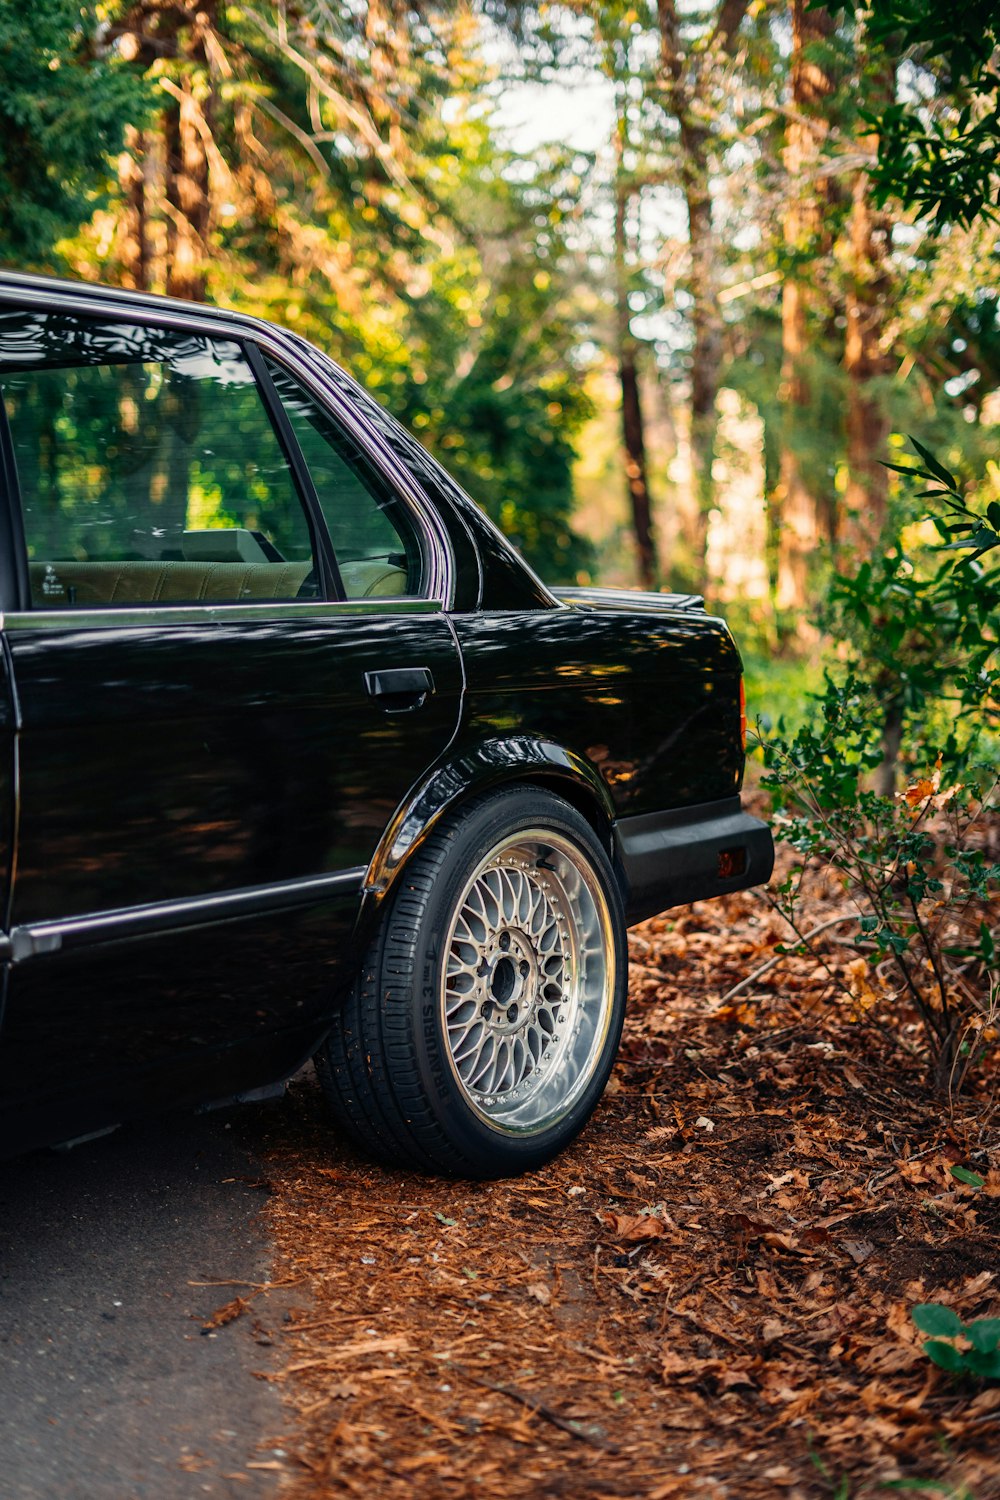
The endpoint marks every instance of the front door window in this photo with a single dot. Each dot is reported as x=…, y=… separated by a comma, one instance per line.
x=149, y=469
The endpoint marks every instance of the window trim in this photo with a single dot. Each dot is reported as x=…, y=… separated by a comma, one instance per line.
x=14, y=577
x=118, y=306
x=141, y=616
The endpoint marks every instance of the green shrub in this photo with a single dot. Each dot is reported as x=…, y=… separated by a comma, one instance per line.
x=978, y=1355
x=916, y=689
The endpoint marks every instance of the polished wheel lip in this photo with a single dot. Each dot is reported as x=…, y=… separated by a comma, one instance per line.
x=559, y=937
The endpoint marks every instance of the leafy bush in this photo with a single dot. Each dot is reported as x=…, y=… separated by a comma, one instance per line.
x=979, y=1354
x=910, y=864
x=917, y=686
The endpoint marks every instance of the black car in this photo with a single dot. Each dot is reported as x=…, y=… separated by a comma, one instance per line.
x=298, y=758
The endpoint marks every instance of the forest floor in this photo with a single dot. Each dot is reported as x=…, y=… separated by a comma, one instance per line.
x=708, y=1295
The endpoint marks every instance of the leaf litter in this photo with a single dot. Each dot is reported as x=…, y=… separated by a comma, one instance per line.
x=665, y=1309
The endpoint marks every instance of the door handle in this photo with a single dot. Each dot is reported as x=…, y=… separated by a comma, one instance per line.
x=399, y=689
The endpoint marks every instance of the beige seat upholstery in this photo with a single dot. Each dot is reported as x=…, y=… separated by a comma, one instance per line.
x=96, y=585
x=372, y=579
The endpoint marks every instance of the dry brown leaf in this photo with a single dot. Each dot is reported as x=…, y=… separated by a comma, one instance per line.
x=628, y=1229
x=228, y=1313
x=801, y=1235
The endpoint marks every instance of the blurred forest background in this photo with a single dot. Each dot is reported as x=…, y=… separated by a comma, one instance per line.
x=661, y=284
x=665, y=285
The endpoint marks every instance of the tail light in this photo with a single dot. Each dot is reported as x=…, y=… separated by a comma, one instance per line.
x=743, y=713
x=731, y=862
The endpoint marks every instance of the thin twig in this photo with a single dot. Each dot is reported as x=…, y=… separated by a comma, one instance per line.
x=773, y=962
x=258, y=1286
x=893, y=1039
x=533, y=1404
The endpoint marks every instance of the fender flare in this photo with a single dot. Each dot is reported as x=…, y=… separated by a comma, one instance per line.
x=467, y=772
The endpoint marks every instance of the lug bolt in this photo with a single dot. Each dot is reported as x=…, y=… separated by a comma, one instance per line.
x=512, y=1012
x=505, y=941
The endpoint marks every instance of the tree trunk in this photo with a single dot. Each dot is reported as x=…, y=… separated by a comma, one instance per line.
x=706, y=324
x=187, y=120
x=135, y=251
x=633, y=427
x=680, y=86
x=633, y=433
x=187, y=196
x=865, y=363
x=796, y=508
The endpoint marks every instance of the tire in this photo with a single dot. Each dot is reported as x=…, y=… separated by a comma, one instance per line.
x=486, y=1017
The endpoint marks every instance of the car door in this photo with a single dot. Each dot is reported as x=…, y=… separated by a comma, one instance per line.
x=209, y=745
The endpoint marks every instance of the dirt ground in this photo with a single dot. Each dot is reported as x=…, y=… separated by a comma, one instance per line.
x=709, y=1295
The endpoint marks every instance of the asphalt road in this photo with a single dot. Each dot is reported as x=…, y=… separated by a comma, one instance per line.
x=108, y=1388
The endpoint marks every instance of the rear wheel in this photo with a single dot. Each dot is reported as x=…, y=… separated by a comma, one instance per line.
x=486, y=1017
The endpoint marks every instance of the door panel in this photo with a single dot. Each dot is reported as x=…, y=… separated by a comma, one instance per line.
x=163, y=762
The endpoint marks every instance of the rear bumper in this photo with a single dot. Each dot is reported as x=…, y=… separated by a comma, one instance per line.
x=690, y=853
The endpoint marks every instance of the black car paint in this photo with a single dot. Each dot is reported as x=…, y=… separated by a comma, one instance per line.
x=202, y=811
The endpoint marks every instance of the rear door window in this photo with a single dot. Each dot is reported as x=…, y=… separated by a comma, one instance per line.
x=373, y=533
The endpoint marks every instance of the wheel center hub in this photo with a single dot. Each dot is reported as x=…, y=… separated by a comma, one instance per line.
x=503, y=980
x=509, y=981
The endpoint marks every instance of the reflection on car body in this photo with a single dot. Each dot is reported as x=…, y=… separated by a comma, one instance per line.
x=298, y=757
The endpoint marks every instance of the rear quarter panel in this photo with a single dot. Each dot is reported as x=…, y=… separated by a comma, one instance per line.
x=650, y=699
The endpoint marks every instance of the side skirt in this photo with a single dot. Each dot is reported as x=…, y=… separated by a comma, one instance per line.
x=33, y=939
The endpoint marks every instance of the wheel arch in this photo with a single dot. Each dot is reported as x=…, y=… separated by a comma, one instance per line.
x=487, y=767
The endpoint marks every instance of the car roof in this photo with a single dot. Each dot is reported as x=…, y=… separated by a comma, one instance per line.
x=25, y=281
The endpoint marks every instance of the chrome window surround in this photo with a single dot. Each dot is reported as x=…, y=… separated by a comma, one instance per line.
x=145, y=615
x=17, y=291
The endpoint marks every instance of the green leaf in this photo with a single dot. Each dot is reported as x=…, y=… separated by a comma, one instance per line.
x=993, y=514
x=971, y=1179
x=937, y=469
x=909, y=469
x=933, y=1317
x=946, y=1356
x=984, y=1335
x=925, y=1486
x=985, y=1365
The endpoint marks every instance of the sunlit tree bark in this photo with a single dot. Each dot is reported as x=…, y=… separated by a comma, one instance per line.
x=866, y=365
x=683, y=88
x=795, y=509
x=186, y=190
x=627, y=356
x=134, y=246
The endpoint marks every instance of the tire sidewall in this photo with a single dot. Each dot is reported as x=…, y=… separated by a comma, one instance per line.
x=470, y=840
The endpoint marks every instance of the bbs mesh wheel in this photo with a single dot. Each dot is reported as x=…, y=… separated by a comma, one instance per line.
x=485, y=1020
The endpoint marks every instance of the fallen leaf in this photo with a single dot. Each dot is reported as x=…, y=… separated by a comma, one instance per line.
x=228, y=1313
x=629, y=1229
